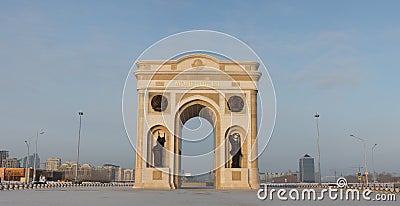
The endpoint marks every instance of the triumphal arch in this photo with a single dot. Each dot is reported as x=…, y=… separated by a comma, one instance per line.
x=170, y=92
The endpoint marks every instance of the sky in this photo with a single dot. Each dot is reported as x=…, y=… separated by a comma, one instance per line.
x=339, y=58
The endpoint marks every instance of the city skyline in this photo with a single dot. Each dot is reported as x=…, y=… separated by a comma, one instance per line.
x=42, y=164
x=339, y=61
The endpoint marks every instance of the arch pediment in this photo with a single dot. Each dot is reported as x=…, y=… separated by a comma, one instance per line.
x=197, y=61
x=197, y=56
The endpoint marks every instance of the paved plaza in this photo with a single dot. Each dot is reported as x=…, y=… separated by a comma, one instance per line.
x=129, y=196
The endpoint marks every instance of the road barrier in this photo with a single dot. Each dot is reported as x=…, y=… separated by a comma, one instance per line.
x=22, y=186
x=54, y=185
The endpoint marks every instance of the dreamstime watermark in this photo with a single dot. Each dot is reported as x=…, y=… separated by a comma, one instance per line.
x=340, y=192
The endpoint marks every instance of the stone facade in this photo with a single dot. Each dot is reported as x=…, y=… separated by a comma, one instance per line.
x=197, y=85
x=53, y=164
x=10, y=163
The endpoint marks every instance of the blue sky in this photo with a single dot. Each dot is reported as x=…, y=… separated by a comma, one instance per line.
x=339, y=58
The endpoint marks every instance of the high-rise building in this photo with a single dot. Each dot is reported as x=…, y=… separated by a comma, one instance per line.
x=53, y=164
x=3, y=155
x=112, y=170
x=10, y=163
x=30, y=161
x=306, y=169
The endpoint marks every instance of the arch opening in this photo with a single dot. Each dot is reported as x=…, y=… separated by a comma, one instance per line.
x=196, y=142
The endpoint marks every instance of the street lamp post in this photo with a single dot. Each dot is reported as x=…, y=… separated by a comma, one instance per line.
x=319, y=149
x=80, y=113
x=365, y=157
x=35, y=155
x=26, y=163
x=373, y=165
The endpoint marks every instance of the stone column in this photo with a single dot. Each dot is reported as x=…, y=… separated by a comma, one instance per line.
x=218, y=152
x=176, y=167
x=139, y=145
x=253, y=173
x=171, y=127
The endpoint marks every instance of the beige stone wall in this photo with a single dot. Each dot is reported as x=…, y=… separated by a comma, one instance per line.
x=204, y=80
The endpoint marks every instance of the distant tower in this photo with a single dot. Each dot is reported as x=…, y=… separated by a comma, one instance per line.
x=306, y=169
x=3, y=155
x=31, y=159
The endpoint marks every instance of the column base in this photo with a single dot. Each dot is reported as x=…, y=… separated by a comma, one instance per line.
x=156, y=178
x=254, y=180
x=234, y=179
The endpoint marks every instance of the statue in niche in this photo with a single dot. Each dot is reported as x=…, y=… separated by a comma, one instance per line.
x=236, y=150
x=158, y=151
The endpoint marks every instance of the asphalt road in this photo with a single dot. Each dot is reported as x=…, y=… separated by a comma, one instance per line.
x=129, y=196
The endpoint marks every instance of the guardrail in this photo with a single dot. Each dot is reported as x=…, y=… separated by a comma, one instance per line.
x=22, y=186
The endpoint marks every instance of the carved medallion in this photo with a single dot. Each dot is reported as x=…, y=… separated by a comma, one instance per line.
x=235, y=104
x=197, y=63
x=159, y=103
